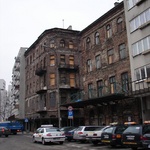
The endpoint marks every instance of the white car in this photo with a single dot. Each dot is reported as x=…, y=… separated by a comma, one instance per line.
x=47, y=134
x=95, y=138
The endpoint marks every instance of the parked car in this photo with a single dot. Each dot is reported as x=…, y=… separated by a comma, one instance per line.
x=146, y=141
x=95, y=138
x=69, y=134
x=47, y=134
x=137, y=136
x=81, y=132
x=4, y=131
x=66, y=128
x=113, y=135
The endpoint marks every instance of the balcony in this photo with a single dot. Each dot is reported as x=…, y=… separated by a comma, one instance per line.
x=41, y=110
x=40, y=71
x=17, y=59
x=68, y=67
x=67, y=86
x=106, y=95
x=42, y=90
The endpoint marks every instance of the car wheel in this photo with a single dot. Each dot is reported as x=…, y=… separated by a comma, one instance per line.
x=95, y=142
x=113, y=146
x=43, y=141
x=61, y=142
x=33, y=139
x=6, y=135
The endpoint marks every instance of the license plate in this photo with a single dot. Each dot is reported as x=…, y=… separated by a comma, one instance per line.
x=106, y=141
x=133, y=143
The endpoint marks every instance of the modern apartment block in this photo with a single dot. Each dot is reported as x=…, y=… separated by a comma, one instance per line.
x=137, y=14
x=18, y=86
x=52, y=76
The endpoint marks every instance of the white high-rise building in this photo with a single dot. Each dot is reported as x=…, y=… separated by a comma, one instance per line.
x=18, y=86
x=3, y=100
x=137, y=13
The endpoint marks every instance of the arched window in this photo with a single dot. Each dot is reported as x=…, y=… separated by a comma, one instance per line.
x=119, y=24
x=52, y=44
x=109, y=31
x=97, y=40
x=88, y=43
x=62, y=43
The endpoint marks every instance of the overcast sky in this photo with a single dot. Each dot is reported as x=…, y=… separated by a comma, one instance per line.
x=22, y=21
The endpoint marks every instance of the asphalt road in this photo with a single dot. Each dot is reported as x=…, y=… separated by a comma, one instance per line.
x=24, y=142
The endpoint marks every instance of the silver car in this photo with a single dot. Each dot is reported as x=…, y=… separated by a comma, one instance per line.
x=95, y=138
x=82, y=131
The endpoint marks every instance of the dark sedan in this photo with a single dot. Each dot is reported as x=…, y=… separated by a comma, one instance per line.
x=113, y=135
x=4, y=131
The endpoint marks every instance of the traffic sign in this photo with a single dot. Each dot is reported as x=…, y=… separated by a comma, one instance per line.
x=70, y=108
x=70, y=114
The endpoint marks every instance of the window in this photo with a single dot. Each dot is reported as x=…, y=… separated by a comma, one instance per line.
x=62, y=60
x=140, y=20
x=63, y=79
x=125, y=81
x=100, y=88
x=97, y=40
x=70, y=44
x=63, y=97
x=98, y=62
x=71, y=60
x=72, y=80
x=89, y=65
x=52, y=79
x=62, y=43
x=119, y=24
x=122, y=51
x=53, y=99
x=90, y=90
x=112, y=82
x=109, y=31
x=52, y=60
x=52, y=44
x=131, y=3
x=142, y=72
x=141, y=46
x=88, y=43
x=110, y=56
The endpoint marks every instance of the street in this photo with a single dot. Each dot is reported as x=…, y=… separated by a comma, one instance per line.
x=24, y=142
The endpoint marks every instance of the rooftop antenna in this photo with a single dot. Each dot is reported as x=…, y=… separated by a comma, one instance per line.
x=63, y=23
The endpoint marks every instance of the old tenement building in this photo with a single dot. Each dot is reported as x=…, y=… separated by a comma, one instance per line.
x=87, y=70
x=52, y=76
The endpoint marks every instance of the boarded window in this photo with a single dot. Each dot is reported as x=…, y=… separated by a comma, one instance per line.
x=71, y=60
x=52, y=60
x=72, y=80
x=52, y=79
x=71, y=45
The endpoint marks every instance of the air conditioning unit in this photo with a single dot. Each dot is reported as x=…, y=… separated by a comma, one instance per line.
x=44, y=88
x=44, y=108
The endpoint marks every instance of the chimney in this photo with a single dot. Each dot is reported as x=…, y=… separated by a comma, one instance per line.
x=116, y=3
x=70, y=27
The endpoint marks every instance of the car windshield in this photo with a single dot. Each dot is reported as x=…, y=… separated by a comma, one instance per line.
x=90, y=128
x=132, y=129
x=52, y=130
x=119, y=130
x=109, y=130
x=146, y=129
